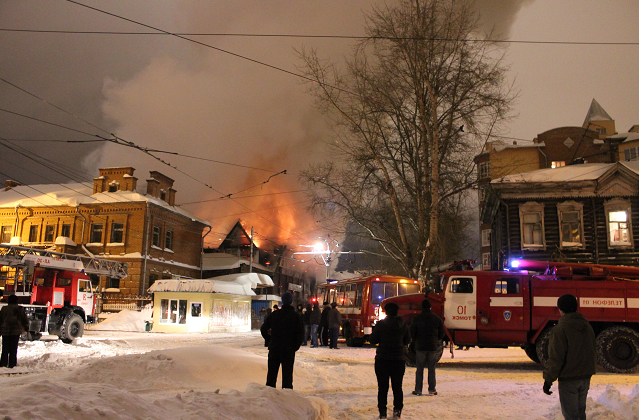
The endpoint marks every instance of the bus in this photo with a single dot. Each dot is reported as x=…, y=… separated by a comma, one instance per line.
x=358, y=299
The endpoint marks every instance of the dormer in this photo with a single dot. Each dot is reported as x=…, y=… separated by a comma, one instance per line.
x=161, y=186
x=114, y=180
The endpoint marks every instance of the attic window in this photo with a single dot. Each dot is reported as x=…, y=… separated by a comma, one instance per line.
x=163, y=195
x=113, y=188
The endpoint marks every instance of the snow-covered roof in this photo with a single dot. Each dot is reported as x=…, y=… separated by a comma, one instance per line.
x=234, y=284
x=222, y=261
x=596, y=113
x=585, y=172
x=626, y=137
x=500, y=146
x=73, y=194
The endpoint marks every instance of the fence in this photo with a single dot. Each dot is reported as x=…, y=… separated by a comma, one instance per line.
x=115, y=302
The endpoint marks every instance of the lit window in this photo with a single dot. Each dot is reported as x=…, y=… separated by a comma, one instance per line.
x=172, y=311
x=485, y=261
x=485, y=237
x=117, y=233
x=557, y=164
x=461, y=285
x=96, y=233
x=619, y=223
x=5, y=235
x=507, y=286
x=531, y=216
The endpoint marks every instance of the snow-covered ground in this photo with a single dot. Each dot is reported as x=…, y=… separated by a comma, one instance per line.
x=115, y=374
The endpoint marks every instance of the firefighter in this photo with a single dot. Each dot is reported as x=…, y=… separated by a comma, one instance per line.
x=392, y=335
x=572, y=359
x=13, y=322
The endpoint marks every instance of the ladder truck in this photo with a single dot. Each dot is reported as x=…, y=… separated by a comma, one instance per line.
x=54, y=288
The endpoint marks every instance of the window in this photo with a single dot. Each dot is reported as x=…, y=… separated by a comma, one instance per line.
x=33, y=233
x=96, y=233
x=162, y=195
x=358, y=295
x=483, y=170
x=49, y=231
x=66, y=230
x=531, y=216
x=485, y=237
x=339, y=295
x=507, y=286
x=619, y=223
x=168, y=241
x=5, y=234
x=114, y=283
x=461, y=285
x=630, y=153
x=152, y=279
x=113, y=188
x=485, y=261
x=382, y=290
x=407, y=288
x=570, y=224
x=601, y=131
x=350, y=295
x=63, y=282
x=117, y=233
x=481, y=194
x=156, y=236
x=172, y=311
x=196, y=309
x=84, y=286
x=557, y=164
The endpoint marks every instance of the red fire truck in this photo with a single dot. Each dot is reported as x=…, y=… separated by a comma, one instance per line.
x=518, y=307
x=54, y=288
x=358, y=300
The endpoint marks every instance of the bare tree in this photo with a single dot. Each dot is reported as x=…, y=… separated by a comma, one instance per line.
x=410, y=108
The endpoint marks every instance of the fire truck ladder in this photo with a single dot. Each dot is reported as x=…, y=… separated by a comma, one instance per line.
x=15, y=256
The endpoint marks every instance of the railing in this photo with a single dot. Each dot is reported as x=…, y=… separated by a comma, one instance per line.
x=110, y=302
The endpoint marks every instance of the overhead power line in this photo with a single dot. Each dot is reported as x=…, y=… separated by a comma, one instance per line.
x=357, y=37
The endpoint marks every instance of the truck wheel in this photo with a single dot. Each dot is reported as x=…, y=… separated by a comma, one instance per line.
x=618, y=349
x=72, y=328
x=531, y=351
x=542, y=346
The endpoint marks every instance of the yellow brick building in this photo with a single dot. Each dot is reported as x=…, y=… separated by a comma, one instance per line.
x=108, y=219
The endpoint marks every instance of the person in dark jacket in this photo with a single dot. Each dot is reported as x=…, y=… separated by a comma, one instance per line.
x=334, y=324
x=392, y=335
x=286, y=331
x=426, y=331
x=572, y=359
x=324, y=325
x=13, y=322
x=267, y=339
x=316, y=317
x=306, y=319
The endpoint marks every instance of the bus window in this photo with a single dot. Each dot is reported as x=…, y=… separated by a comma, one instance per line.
x=321, y=293
x=339, y=295
x=358, y=295
x=331, y=296
x=408, y=288
x=382, y=290
x=461, y=285
x=350, y=295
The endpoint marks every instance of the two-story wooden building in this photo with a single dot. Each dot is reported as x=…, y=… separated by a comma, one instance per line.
x=586, y=213
x=111, y=219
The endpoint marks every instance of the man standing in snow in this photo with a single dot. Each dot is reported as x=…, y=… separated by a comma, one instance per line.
x=316, y=316
x=426, y=330
x=572, y=359
x=392, y=335
x=324, y=324
x=286, y=332
x=334, y=324
x=13, y=322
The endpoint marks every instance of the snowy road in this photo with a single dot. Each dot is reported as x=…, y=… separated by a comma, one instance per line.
x=219, y=376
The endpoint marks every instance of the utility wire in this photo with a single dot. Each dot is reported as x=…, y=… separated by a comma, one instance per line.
x=237, y=198
x=357, y=37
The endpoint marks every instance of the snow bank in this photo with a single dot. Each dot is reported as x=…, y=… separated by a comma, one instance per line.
x=611, y=405
x=125, y=320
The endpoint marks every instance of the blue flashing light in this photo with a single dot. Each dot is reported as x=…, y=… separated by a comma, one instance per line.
x=514, y=263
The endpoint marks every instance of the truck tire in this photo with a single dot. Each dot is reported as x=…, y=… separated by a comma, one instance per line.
x=542, y=346
x=531, y=351
x=72, y=328
x=618, y=349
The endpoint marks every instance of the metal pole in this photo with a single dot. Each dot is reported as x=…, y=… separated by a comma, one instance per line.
x=251, y=263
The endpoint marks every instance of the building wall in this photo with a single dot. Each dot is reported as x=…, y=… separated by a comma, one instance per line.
x=513, y=161
x=220, y=313
x=581, y=144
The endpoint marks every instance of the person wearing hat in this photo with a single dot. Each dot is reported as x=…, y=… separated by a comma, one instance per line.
x=426, y=330
x=334, y=324
x=285, y=330
x=572, y=359
x=13, y=322
x=391, y=335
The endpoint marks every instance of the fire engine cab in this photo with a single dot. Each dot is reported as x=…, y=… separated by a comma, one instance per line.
x=518, y=307
x=54, y=288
